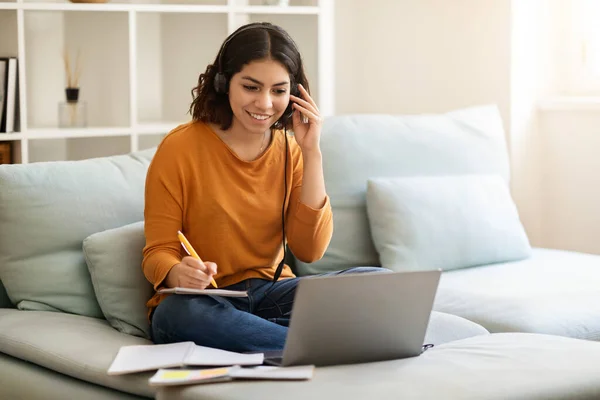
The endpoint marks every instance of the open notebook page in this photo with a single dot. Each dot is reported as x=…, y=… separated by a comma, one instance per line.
x=207, y=356
x=149, y=357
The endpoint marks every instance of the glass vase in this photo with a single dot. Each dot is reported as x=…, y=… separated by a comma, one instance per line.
x=72, y=114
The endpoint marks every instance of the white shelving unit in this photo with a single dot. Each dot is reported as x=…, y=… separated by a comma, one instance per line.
x=140, y=62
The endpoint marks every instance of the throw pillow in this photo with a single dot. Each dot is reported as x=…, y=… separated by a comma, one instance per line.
x=444, y=222
x=114, y=259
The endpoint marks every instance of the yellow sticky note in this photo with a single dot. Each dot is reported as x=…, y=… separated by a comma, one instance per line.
x=175, y=374
x=215, y=371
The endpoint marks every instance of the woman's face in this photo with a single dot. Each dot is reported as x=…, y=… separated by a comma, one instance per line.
x=259, y=95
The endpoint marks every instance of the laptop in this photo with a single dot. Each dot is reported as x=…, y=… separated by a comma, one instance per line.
x=358, y=318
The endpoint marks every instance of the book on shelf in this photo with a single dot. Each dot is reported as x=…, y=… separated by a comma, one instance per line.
x=9, y=95
x=6, y=153
x=3, y=75
x=173, y=377
x=138, y=358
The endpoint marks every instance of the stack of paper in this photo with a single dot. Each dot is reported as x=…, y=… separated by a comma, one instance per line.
x=171, y=377
x=161, y=357
x=131, y=359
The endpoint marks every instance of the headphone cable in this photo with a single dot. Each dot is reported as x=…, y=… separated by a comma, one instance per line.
x=282, y=262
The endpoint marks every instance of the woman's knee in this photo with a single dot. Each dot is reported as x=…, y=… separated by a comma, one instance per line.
x=182, y=318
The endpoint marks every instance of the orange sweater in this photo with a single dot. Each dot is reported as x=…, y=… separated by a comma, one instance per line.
x=229, y=209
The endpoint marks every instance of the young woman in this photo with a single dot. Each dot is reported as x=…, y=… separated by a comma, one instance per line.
x=239, y=189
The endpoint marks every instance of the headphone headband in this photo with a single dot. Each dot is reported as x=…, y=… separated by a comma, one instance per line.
x=220, y=80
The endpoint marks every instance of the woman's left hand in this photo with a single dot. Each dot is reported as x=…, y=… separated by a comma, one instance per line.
x=307, y=134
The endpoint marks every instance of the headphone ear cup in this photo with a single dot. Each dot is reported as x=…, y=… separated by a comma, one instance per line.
x=289, y=111
x=220, y=83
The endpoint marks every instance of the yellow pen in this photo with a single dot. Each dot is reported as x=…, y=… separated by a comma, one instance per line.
x=190, y=250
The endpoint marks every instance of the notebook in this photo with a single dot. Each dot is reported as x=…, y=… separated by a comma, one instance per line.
x=172, y=377
x=214, y=292
x=140, y=358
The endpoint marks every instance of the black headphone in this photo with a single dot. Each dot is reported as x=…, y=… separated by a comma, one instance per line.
x=220, y=82
x=220, y=85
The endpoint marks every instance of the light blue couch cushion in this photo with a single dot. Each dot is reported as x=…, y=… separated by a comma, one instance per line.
x=444, y=222
x=114, y=259
x=554, y=292
x=356, y=148
x=47, y=209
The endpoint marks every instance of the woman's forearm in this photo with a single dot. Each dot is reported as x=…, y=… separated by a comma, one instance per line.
x=313, y=192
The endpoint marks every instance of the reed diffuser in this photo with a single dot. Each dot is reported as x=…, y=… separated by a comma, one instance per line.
x=73, y=112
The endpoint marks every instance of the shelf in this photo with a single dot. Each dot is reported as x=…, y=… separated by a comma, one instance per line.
x=57, y=133
x=173, y=8
x=161, y=128
x=9, y=137
x=115, y=7
x=299, y=10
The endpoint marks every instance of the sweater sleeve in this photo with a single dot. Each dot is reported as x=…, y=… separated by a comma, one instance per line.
x=163, y=214
x=309, y=230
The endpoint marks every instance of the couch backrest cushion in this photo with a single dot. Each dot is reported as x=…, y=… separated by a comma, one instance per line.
x=358, y=147
x=114, y=259
x=47, y=210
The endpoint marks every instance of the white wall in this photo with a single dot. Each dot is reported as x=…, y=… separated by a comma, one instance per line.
x=553, y=149
x=571, y=179
x=534, y=75
x=414, y=56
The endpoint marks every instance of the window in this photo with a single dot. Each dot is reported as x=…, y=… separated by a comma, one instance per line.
x=583, y=48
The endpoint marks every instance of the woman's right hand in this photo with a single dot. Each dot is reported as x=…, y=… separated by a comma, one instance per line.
x=191, y=273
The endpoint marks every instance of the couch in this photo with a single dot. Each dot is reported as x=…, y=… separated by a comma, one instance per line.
x=408, y=192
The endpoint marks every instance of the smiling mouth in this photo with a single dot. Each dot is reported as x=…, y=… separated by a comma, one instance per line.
x=259, y=117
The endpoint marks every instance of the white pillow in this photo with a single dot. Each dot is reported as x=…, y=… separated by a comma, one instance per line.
x=114, y=259
x=444, y=222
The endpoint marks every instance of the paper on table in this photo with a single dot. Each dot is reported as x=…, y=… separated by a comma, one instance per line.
x=214, y=292
x=148, y=357
x=170, y=377
x=300, y=372
x=131, y=359
x=207, y=356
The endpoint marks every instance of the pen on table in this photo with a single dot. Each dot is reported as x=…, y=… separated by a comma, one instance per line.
x=190, y=250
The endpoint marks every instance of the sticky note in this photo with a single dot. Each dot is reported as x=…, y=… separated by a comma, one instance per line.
x=175, y=374
x=216, y=371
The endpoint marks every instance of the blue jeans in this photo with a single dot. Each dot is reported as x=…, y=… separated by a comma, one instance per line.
x=256, y=323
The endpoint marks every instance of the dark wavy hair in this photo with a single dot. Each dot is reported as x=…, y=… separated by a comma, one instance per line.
x=252, y=42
